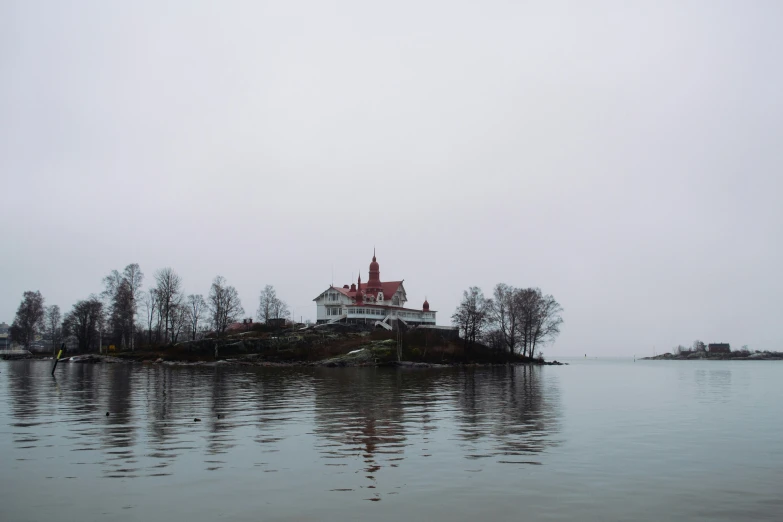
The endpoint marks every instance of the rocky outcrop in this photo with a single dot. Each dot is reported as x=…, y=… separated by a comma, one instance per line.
x=730, y=356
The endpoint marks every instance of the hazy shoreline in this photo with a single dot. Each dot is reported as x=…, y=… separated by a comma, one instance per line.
x=731, y=356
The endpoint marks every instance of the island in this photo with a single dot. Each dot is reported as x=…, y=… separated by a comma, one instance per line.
x=715, y=352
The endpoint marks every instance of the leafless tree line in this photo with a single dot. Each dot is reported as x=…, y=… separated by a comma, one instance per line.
x=168, y=314
x=517, y=320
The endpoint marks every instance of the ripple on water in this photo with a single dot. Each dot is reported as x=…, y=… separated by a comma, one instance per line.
x=358, y=430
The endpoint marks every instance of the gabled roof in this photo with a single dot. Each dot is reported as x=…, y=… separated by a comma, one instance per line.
x=389, y=288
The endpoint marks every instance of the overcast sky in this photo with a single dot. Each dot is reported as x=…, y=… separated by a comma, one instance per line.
x=623, y=156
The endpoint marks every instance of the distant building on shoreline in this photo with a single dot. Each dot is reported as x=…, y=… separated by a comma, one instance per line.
x=374, y=303
x=718, y=348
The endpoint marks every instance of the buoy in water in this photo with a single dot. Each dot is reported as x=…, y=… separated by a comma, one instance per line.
x=196, y=420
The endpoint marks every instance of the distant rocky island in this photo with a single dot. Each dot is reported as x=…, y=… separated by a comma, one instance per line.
x=715, y=352
x=721, y=356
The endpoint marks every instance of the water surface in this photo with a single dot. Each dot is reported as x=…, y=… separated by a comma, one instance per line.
x=595, y=440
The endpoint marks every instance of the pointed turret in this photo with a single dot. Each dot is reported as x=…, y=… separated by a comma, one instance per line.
x=374, y=282
x=359, y=296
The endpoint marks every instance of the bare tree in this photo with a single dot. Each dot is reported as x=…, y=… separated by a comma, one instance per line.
x=265, y=303
x=224, y=305
x=547, y=321
x=539, y=319
x=119, y=312
x=179, y=320
x=110, y=284
x=53, y=326
x=472, y=314
x=134, y=277
x=270, y=306
x=526, y=301
x=149, y=301
x=280, y=310
x=698, y=346
x=169, y=295
x=197, y=309
x=506, y=315
x=85, y=322
x=29, y=319
x=121, y=293
x=494, y=339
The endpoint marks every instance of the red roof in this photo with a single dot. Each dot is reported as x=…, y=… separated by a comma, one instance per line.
x=389, y=288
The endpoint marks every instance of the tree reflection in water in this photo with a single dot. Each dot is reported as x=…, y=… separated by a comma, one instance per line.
x=505, y=413
x=370, y=424
x=510, y=406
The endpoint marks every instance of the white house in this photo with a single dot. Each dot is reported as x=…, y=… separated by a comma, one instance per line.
x=374, y=302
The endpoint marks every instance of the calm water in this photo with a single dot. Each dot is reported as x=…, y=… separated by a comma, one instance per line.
x=596, y=440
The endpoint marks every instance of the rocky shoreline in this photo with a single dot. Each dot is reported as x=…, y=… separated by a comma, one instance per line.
x=730, y=356
x=357, y=359
x=339, y=346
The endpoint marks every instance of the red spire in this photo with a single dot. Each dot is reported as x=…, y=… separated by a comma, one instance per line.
x=374, y=283
x=426, y=305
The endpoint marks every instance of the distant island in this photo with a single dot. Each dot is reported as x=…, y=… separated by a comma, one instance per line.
x=715, y=352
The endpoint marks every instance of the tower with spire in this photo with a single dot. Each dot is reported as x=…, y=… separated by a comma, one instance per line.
x=374, y=282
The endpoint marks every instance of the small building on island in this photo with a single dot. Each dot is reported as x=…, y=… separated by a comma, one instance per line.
x=378, y=303
x=718, y=348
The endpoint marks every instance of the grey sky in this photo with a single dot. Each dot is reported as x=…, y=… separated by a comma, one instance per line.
x=623, y=156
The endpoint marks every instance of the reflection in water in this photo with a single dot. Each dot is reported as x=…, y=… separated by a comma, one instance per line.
x=510, y=407
x=646, y=442
x=119, y=430
x=359, y=413
x=364, y=424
